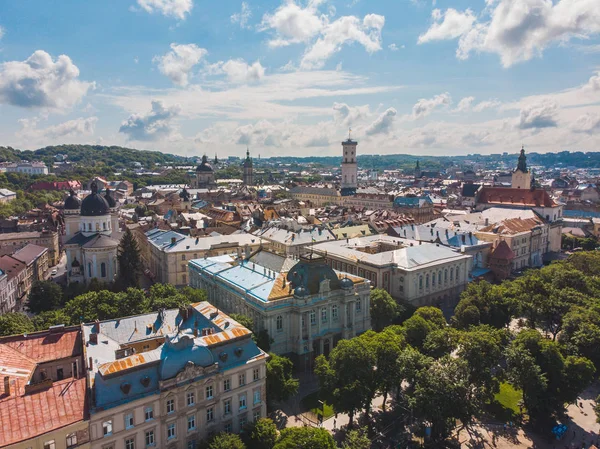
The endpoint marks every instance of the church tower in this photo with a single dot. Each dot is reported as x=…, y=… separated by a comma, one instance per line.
x=521, y=177
x=349, y=167
x=248, y=171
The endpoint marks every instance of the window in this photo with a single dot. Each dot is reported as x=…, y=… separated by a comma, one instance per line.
x=433, y=280
x=184, y=279
x=183, y=257
x=50, y=445
x=191, y=444
x=150, y=438
x=323, y=315
x=104, y=226
x=440, y=278
x=445, y=275
x=242, y=402
x=191, y=422
x=242, y=380
x=227, y=406
x=358, y=305
x=146, y=348
x=89, y=269
x=457, y=273
x=190, y=399
x=227, y=385
x=256, y=415
x=255, y=374
x=209, y=392
x=257, y=397
x=243, y=421
x=209, y=414
x=421, y=282
x=170, y=405
x=72, y=440
x=451, y=274
x=170, y=431
x=227, y=428
x=334, y=313
x=313, y=318
x=130, y=443
x=426, y=281
x=107, y=428
x=129, y=420
x=279, y=323
x=89, y=226
x=149, y=413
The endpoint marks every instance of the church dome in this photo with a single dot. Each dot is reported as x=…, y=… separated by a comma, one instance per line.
x=180, y=350
x=346, y=283
x=308, y=274
x=109, y=198
x=94, y=204
x=72, y=202
x=204, y=166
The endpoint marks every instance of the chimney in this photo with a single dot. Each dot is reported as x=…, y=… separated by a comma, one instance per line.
x=487, y=221
x=173, y=240
x=7, y=385
x=91, y=363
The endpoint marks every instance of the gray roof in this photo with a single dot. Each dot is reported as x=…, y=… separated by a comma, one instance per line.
x=306, y=190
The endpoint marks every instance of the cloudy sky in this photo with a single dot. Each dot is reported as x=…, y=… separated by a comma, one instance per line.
x=292, y=76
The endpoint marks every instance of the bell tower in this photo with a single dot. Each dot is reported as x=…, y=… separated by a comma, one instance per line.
x=521, y=177
x=248, y=170
x=349, y=167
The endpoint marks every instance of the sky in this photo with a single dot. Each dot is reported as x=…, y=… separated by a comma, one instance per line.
x=295, y=77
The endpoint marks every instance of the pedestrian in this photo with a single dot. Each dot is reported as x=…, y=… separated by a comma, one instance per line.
x=334, y=423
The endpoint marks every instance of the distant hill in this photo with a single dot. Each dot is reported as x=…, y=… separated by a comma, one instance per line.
x=91, y=155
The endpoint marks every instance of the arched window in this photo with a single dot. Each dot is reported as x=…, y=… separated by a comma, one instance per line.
x=97, y=226
x=457, y=273
x=323, y=314
x=440, y=277
x=104, y=226
x=103, y=269
x=451, y=274
x=90, y=270
x=433, y=280
x=427, y=281
x=89, y=226
x=446, y=275
x=421, y=282
x=358, y=305
x=279, y=323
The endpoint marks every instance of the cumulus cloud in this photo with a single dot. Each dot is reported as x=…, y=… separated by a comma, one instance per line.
x=487, y=104
x=292, y=24
x=393, y=47
x=41, y=82
x=243, y=16
x=464, y=104
x=426, y=106
x=448, y=25
x=345, y=115
x=345, y=30
x=588, y=123
x=170, y=8
x=518, y=30
x=383, y=124
x=262, y=133
x=178, y=63
x=238, y=70
x=72, y=128
x=152, y=126
x=2, y=32
x=540, y=115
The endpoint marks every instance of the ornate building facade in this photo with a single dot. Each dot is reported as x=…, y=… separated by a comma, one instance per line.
x=91, y=236
x=205, y=176
x=521, y=177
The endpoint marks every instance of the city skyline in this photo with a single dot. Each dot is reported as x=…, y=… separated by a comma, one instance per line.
x=290, y=78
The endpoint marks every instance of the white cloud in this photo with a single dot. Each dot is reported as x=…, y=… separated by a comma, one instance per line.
x=243, y=16
x=383, y=124
x=426, y=106
x=517, y=30
x=448, y=25
x=41, y=82
x=294, y=24
x=238, y=70
x=152, y=126
x=2, y=32
x=587, y=123
x=177, y=63
x=346, y=116
x=136, y=60
x=488, y=104
x=170, y=8
x=393, y=47
x=541, y=115
x=70, y=129
x=345, y=30
x=464, y=104
x=289, y=67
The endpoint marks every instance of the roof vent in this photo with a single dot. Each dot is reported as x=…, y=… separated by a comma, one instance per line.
x=238, y=351
x=126, y=387
x=145, y=381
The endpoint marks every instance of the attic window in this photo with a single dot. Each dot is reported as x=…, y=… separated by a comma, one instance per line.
x=145, y=381
x=238, y=352
x=126, y=387
x=223, y=356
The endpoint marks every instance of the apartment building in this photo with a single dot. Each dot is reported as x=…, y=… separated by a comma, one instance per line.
x=13, y=241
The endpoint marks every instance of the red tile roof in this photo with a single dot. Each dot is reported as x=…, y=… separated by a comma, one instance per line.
x=46, y=346
x=515, y=197
x=503, y=251
x=512, y=226
x=25, y=417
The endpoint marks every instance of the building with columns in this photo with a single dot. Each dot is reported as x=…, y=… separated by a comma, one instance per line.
x=305, y=306
x=349, y=167
x=91, y=236
x=248, y=170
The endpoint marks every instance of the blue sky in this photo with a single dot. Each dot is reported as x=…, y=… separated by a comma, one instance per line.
x=290, y=77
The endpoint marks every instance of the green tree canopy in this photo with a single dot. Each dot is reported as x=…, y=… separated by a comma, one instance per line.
x=384, y=309
x=281, y=384
x=226, y=441
x=15, y=323
x=44, y=296
x=261, y=434
x=305, y=438
x=130, y=261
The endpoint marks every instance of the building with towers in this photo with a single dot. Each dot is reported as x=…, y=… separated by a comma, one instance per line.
x=349, y=167
x=248, y=170
x=521, y=177
x=91, y=236
x=205, y=176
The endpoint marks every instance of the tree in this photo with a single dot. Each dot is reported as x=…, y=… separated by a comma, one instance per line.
x=226, y=441
x=433, y=315
x=305, y=438
x=15, y=323
x=484, y=303
x=281, y=385
x=261, y=434
x=44, y=295
x=244, y=320
x=384, y=309
x=416, y=329
x=441, y=342
x=130, y=262
x=357, y=439
x=261, y=338
x=49, y=318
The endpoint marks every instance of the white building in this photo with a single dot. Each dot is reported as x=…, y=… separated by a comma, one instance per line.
x=305, y=306
x=29, y=168
x=349, y=167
